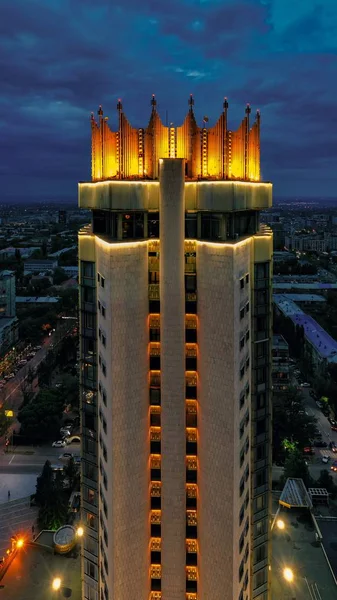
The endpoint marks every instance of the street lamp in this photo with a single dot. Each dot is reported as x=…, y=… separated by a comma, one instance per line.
x=280, y=524
x=56, y=585
x=288, y=574
x=19, y=543
x=80, y=532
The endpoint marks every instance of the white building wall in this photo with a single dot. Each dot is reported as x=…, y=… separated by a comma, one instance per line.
x=219, y=269
x=125, y=356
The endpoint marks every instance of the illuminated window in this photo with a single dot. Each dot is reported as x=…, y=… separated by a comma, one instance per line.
x=154, y=348
x=155, y=596
x=191, y=350
x=154, y=291
x=191, y=321
x=191, y=596
x=191, y=378
x=191, y=407
x=154, y=378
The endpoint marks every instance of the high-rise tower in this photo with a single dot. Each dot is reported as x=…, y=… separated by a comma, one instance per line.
x=175, y=284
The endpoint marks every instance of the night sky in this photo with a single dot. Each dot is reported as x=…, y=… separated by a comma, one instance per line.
x=60, y=59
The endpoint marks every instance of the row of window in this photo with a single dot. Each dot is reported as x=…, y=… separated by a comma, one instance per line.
x=244, y=310
x=244, y=339
x=203, y=225
x=244, y=281
x=244, y=367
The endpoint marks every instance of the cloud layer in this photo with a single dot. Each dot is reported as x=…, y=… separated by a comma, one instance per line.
x=59, y=59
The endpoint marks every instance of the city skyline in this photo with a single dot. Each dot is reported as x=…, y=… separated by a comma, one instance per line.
x=57, y=69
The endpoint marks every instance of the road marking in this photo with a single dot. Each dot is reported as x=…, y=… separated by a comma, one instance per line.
x=11, y=459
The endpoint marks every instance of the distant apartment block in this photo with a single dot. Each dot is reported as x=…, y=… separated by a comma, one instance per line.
x=39, y=265
x=9, y=326
x=280, y=364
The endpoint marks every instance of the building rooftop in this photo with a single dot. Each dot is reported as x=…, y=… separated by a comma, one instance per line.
x=324, y=344
x=296, y=547
x=37, y=299
x=295, y=495
x=30, y=575
x=305, y=286
x=279, y=342
x=304, y=297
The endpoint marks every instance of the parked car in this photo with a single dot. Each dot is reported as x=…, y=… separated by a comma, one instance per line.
x=66, y=430
x=334, y=466
x=66, y=456
x=73, y=439
x=325, y=459
x=59, y=444
x=333, y=447
x=320, y=444
x=305, y=384
x=37, y=348
x=309, y=450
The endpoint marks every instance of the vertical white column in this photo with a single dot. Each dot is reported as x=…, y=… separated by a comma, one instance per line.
x=172, y=332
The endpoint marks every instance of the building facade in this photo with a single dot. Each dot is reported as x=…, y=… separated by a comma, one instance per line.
x=175, y=284
x=280, y=365
x=9, y=324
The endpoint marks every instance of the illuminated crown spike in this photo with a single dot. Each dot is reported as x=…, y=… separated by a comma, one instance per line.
x=211, y=153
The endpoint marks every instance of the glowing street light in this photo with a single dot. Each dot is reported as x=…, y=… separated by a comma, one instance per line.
x=280, y=524
x=80, y=531
x=56, y=584
x=288, y=574
x=19, y=543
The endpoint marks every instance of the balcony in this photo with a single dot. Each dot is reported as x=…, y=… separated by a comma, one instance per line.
x=155, y=489
x=191, y=434
x=191, y=407
x=191, y=573
x=191, y=517
x=154, y=321
x=191, y=378
x=155, y=433
x=191, y=350
x=155, y=572
x=154, y=378
x=155, y=517
x=190, y=267
x=154, y=348
x=191, y=490
x=191, y=321
x=155, y=596
x=155, y=544
x=190, y=247
x=153, y=263
x=155, y=461
x=191, y=596
x=191, y=463
x=191, y=546
x=154, y=291
x=154, y=246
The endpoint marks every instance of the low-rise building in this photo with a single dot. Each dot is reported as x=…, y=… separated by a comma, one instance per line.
x=42, y=265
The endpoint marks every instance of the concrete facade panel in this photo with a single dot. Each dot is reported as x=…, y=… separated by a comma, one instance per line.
x=172, y=308
x=125, y=356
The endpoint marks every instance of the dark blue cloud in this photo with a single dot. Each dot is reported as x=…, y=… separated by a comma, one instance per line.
x=59, y=59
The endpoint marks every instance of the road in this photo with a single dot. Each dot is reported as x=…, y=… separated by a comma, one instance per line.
x=315, y=463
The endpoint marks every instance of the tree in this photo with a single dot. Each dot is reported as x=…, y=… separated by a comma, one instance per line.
x=41, y=418
x=291, y=423
x=71, y=472
x=326, y=481
x=296, y=467
x=51, y=499
x=59, y=276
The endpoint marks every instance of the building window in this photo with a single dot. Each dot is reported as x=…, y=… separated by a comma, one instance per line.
x=104, y=340
x=241, y=570
x=90, y=569
x=102, y=282
x=91, y=520
x=242, y=372
x=247, y=336
x=242, y=283
x=247, y=307
x=247, y=278
x=211, y=226
x=242, y=342
x=242, y=399
x=242, y=313
x=103, y=311
x=104, y=397
x=91, y=496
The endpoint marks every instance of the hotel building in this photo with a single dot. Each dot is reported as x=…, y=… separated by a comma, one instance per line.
x=175, y=305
